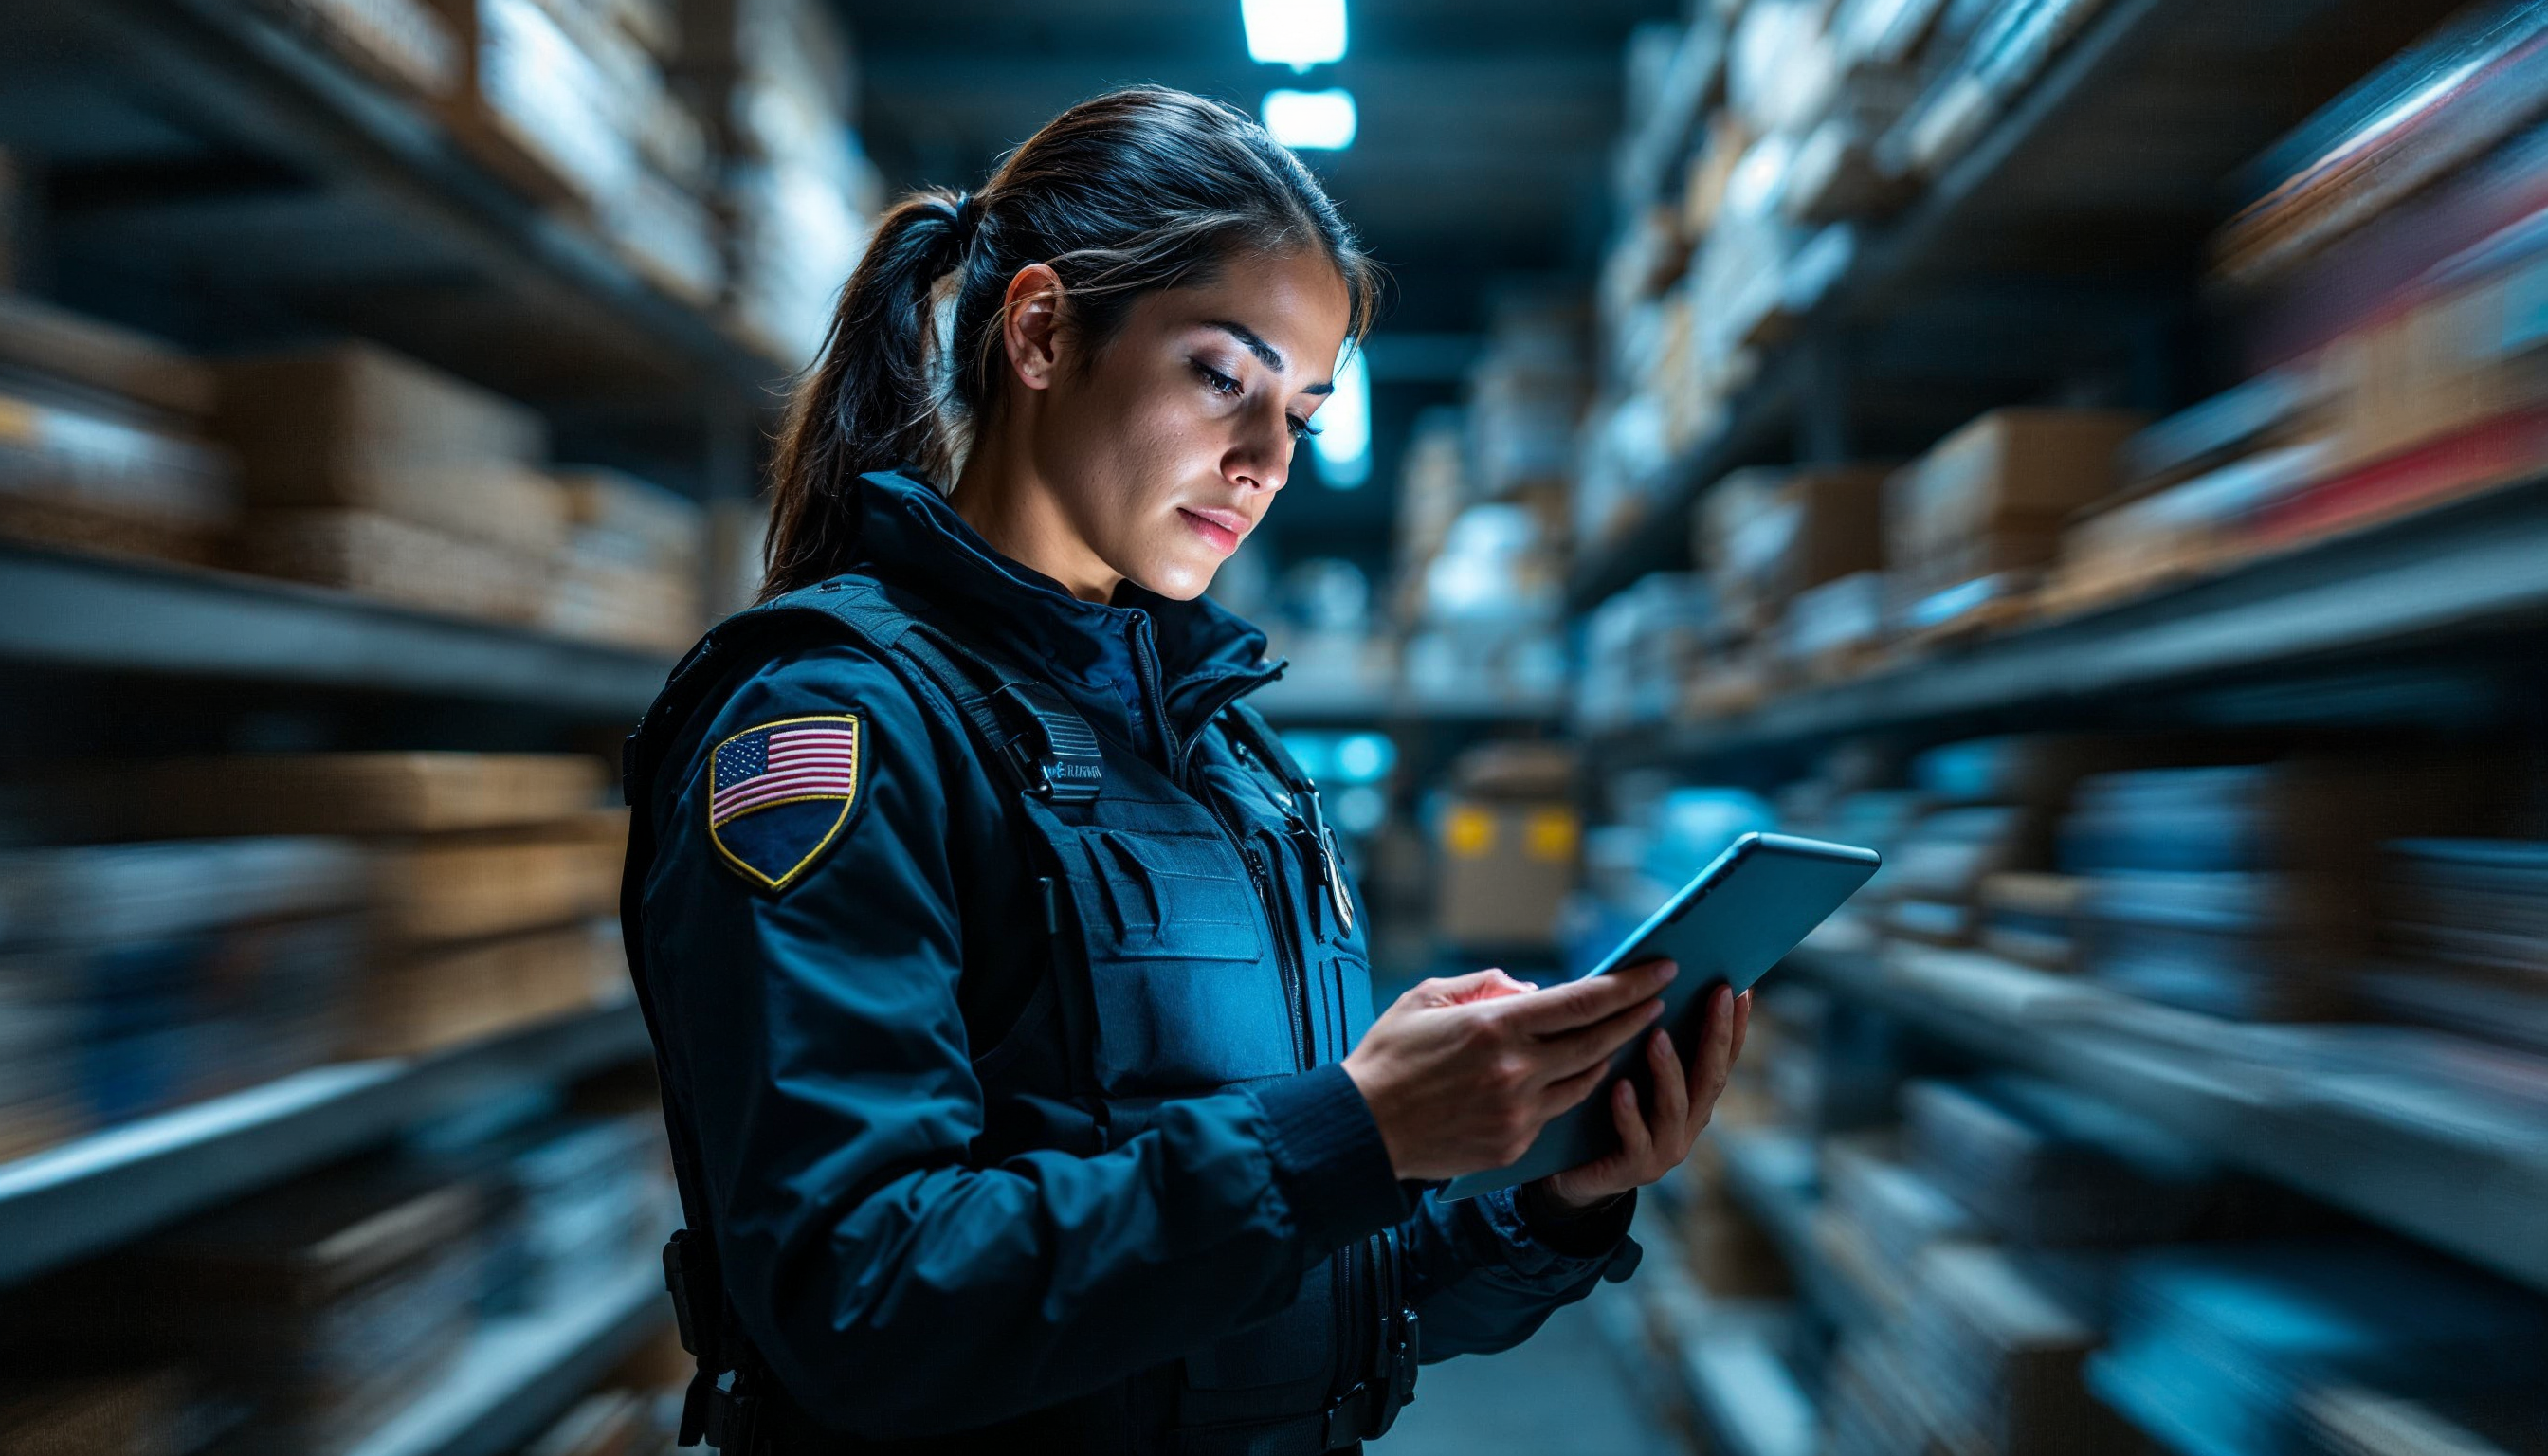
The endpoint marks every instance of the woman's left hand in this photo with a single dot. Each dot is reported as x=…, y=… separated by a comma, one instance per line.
x=1653, y=1141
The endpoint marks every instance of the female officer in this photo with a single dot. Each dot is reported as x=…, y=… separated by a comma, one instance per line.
x=1012, y=1009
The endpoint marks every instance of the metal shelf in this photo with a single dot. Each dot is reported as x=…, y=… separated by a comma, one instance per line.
x=2469, y=569
x=520, y=1372
x=67, y=610
x=2188, y=1073
x=90, y=1195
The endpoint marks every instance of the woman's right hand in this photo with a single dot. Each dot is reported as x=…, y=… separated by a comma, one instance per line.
x=1462, y=1073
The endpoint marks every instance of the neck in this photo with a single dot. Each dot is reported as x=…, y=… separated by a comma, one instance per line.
x=1013, y=505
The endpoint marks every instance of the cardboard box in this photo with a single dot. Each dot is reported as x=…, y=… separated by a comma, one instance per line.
x=400, y=41
x=454, y=887
x=395, y=560
x=1507, y=866
x=2002, y=1356
x=85, y=477
x=536, y=107
x=317, y=794
x=1994, y=495
x=54, y=342
x=355, y=427
x=443, y=996
x=1770, y=535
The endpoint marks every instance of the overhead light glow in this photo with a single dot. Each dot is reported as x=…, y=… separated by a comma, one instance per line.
x=1310, y=120
x=1298, y=34
x=1343, y=440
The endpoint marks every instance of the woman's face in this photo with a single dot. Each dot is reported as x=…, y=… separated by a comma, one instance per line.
x=1166, y=448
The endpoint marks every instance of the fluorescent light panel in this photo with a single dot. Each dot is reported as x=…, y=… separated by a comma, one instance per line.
x=1298, y=34
x=1310, y=120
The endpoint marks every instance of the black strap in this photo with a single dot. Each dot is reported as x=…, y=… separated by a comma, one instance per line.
x=1047, y=749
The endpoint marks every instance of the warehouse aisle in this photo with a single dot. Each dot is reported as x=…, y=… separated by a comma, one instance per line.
x=1562, y=1393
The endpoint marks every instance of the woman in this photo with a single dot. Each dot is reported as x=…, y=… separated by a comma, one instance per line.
x=1013, y=1012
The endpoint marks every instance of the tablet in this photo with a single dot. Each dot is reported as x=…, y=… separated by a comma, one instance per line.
x=1728, y=926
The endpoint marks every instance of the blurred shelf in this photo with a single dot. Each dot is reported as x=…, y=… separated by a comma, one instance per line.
x=88, y=1195
x=211, y=148
x=1772, y=1175
x=2063, y=239
x=2470, y=568
x=2384, y=1145
x=68, y=609
x=1721, y=1355
x=520, y=1372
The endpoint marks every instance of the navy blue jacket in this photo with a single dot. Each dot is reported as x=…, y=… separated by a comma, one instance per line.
x=920, y=1233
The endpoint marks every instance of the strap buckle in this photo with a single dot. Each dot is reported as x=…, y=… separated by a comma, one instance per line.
x=722, y=1414
x=1050, y=750
x=681, y=1276
x=1349, y=1419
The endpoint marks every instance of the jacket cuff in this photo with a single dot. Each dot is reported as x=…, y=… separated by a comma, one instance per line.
x=1589, y=1234
x=1328, y=1157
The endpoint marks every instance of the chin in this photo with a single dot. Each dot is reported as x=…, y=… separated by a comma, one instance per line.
x=1179, y=581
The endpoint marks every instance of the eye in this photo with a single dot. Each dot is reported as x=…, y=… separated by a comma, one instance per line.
x=1301, y=430
x=1222, y=384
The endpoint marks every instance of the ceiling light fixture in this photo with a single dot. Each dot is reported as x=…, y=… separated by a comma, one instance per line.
x=1343, y=440
x=1310, y=120
x=1298, y=34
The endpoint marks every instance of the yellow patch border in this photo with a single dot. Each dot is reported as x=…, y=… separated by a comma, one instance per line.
x=848, y=801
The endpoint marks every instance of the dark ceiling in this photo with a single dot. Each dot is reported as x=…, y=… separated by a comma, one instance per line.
x=1486, y=131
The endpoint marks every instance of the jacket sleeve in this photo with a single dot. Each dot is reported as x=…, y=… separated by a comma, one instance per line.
x=815, y=1037
x=1484, y=1273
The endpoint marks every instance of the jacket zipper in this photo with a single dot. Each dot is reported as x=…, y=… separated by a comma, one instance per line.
x=1345, y=1290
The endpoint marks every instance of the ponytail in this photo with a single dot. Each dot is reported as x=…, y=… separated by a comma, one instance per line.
x=1122, y=195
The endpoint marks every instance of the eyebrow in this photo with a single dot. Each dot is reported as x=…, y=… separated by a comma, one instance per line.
x=1267, y=354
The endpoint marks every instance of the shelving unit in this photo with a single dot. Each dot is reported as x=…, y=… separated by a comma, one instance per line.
x=66, y=609
x=1945, y=300
x=2372, y=1141
x=522, y=1371
x=305, y=195
x=2448, y=574
x=90, y=1195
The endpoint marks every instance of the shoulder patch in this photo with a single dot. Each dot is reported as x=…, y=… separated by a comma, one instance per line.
x=780, y=794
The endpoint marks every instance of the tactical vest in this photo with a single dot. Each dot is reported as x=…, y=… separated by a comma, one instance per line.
x=1204, y=938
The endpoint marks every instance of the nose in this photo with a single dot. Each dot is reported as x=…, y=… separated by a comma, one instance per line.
x=1260, y=459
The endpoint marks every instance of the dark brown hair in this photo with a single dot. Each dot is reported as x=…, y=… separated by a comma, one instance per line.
x=1122, y=195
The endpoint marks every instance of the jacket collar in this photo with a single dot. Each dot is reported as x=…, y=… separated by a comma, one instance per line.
x=1097, y=653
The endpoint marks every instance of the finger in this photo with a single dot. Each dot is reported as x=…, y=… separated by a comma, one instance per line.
x=1672, y=1093
x=1636, y=1137
x=1561, y=1095
x=1564, y=1056
x=1716, y=1055
x=1581, y=1002
x=1742, y=1024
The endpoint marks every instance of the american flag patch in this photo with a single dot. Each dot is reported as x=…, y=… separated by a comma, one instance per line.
x=783, y=763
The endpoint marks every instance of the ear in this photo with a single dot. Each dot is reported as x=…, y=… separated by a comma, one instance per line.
x=1031, y=325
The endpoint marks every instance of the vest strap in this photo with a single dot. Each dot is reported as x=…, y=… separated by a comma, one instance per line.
x=1044, y=745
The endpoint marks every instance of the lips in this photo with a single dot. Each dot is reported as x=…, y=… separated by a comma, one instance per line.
x=1222, y=530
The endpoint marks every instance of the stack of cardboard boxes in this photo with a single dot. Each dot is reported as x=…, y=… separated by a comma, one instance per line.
x=774, y=81
x=369, y=472
x=1510, y=842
